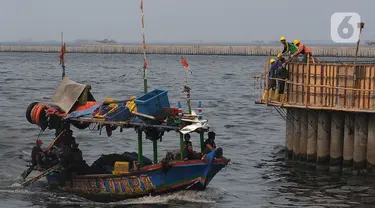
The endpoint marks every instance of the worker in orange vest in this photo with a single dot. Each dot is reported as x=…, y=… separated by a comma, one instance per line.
x=304, y=50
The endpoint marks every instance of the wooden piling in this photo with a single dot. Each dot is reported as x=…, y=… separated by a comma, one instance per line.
x=289, y=133
x=324, y=128
x=337, y=138
x=312, y=130
x=345, y=51
x=360, y=141
x=297, y=134
x=371, y=143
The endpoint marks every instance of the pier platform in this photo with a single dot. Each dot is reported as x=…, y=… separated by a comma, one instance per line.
x=329, y=109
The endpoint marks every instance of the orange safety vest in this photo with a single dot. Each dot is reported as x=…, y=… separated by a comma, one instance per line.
x=302, y=49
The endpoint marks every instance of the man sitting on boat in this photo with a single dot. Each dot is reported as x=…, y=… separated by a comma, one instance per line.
x=190, y=154
x=36, y=158
x=37, y=155
x=209, y=144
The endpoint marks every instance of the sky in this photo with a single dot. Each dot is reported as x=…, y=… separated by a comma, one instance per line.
x=207, y=21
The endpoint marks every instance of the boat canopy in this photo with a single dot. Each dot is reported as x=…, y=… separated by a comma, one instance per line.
x=68, y=93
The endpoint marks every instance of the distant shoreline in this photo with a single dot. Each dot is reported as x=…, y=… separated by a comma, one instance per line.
x=329, y=51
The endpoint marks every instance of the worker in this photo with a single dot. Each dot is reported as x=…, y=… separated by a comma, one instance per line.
x=288, y=47
x=188, y=148
x=282, y=73
x=271, y=82
x=304, y=50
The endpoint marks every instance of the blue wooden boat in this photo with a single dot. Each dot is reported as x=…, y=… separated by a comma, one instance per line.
x=149, y=180
x=131, y=176
x=169, y=175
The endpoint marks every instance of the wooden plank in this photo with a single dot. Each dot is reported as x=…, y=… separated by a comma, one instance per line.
x=312, y=80
x=307, y=101
x=300, y=79
x=315, y=82
x=371, y=86
x=346, y=85
x=304, y=69
x=337, y=81
x=321, y=83
x=369, y=68
x=354, y=93
x=325, y=83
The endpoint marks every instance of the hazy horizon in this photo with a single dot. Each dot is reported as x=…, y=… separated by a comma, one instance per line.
x=173, y=21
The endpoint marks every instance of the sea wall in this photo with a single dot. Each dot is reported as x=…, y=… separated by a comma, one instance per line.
x=332, y=51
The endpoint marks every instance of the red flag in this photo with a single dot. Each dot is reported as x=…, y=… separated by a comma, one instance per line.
x=142, y=5
x=184, y=62
x=143, y=22
x=62, y=53
x=144, y=63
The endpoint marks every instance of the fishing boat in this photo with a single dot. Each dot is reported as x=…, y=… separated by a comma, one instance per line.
x=117, y=177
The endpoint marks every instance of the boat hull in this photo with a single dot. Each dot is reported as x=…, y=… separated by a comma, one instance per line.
x=150, y=180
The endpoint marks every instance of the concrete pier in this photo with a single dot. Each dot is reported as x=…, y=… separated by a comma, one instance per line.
x=337, y=139
x=348, y=141
x=296, y=134
x=332, y=51
x=312, y=131
x=371, y=144
x=336, y=101
x=289, y=133
x=360, y=141
x=303, y=136
x=324, y=129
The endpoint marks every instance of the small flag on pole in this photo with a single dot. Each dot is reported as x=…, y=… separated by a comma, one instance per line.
x=62, y=53
x=186, y=64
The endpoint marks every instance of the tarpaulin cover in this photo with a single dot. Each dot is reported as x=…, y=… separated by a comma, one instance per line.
x=67, y=94
x=83, y=113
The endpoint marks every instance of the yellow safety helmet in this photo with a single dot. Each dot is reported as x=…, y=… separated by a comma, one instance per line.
x=272, y=61
x=279, y=56
x=282, y=38
x=295, y=42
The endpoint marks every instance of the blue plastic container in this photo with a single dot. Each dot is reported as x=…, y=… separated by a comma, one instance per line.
x=152, y=102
